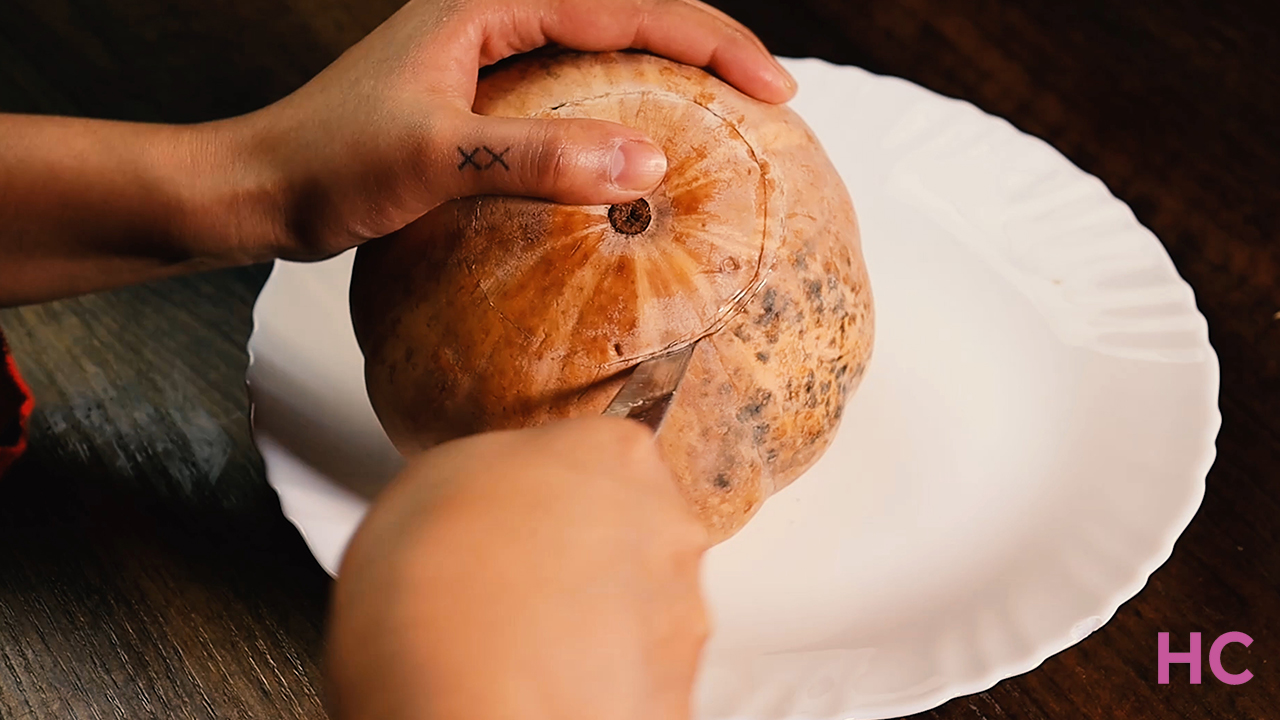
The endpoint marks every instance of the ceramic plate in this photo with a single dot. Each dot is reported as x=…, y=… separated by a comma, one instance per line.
x=1030, y=439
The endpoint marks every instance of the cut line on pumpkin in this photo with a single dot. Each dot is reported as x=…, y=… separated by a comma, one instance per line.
x=738, y=302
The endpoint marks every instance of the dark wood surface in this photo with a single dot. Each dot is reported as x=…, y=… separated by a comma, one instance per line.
x=146, y=571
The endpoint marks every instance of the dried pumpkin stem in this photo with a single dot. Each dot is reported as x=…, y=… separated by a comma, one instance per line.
x=630, y=218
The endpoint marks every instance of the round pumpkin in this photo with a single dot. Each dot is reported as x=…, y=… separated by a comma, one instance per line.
x=504, y=312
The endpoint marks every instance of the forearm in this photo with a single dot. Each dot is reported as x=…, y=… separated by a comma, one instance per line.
x=88, y=205
x=384, y=135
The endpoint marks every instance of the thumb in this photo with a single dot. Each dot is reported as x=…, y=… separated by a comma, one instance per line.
x=579, y=162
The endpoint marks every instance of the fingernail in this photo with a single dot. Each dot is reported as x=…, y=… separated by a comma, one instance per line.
x=637, y=165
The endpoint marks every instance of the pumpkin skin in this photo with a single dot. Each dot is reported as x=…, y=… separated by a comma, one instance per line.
x=500, y=312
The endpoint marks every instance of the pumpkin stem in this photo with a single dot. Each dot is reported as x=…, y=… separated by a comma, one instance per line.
x=630, y=218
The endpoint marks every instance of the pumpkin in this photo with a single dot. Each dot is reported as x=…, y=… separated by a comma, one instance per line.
x=502, y=312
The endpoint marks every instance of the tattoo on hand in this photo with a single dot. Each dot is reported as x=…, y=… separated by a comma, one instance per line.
x=491, y=157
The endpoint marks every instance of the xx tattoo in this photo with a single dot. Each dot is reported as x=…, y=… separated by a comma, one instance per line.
x=491, y=157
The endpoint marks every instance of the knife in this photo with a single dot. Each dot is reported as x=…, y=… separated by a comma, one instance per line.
x=647, y=394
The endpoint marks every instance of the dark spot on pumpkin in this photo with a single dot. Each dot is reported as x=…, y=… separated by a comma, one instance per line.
x=756, y=407
x=769, y=306
x=842, y=371
x=617, y=348
x=839, y=308
x=760, y=433
x=833, y=283
x=811, y=397
x=740, y=332
x=762, y=357
x=721, y=481
x=631, y=218
x=813, y=290
x=771, y=455
x=800, y=261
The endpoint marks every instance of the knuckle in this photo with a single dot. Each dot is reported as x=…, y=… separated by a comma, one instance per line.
x=635, y=444
x=429, y=147
x=552, y=162
x=687, y=622
x=695, y=537
x=684, y=540
x=689, y=542
x=622, y=443
x=635, y=439
x=627, y=440
x=700, y=624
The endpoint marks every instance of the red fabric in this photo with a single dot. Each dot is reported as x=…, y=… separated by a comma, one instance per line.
x=16, y=404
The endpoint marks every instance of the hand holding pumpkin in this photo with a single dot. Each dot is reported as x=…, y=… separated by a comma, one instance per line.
x=387, y=132
x=373, y=142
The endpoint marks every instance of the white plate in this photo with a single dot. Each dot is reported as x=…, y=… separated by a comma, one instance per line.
x=1031, y=438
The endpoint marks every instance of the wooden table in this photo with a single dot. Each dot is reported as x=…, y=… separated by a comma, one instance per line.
x=146, y=571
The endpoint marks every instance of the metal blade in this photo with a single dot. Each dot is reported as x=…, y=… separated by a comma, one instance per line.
x=647, y=394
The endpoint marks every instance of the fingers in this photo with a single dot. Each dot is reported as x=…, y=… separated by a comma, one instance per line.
x=687, y=31
x=581, y=162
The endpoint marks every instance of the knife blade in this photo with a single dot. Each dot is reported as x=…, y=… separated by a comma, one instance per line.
x=647, y=394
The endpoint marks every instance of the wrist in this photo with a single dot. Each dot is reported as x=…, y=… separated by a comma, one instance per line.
x=232, y=199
